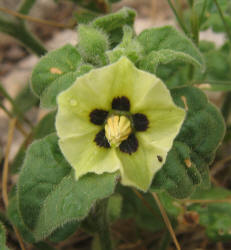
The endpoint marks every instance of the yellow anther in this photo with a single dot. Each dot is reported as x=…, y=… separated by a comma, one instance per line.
x=117, y=129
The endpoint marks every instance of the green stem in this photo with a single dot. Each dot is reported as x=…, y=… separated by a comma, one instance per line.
x=20, y=32
x=103, y=226
x=6, y=111
x=194, y=25
x=19, y=112
x=26, y=6
x=226, y=107
x=202, y=12
x=180, y=21
x=228, y=31
x=179, y=9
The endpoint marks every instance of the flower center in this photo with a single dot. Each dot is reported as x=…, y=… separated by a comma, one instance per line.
x=117, y=129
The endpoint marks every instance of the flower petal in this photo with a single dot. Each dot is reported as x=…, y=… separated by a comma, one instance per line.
x=164, y=125
x=69, y=122
x=85, y=156
x=164, y=117
x=138, y=169
x=101, y=86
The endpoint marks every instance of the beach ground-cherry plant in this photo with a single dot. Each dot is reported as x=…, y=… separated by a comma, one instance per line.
x=128, y=131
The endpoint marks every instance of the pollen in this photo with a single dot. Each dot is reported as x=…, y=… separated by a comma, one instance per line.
x=117, y=129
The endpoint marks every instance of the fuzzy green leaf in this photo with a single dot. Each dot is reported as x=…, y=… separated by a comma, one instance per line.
x=62, y=233
x=49, y=196
x=71, y=200
x=15, y=218
x=54, y=65
x=48, y=98
x=129, y=47
x=42, y=129
x=194, y=148
x=25, y=100
x=113, y=24
x=168, y=37
x=165, y=56
x=43, y=168
x=215, y=217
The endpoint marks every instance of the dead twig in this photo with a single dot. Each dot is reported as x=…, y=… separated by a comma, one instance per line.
x=167, y=221
x=5, y=175
x=6, y=161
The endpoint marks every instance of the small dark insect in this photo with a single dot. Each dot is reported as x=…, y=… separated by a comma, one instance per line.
x=160, y=159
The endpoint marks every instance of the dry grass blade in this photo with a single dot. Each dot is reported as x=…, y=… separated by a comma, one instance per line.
x=37, y=20
x=5, y=174
x=167, y=221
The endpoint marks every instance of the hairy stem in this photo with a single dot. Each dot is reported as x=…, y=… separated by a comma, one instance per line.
x=103, y=226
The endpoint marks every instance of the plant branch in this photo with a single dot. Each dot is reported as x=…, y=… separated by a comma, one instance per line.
x=202, y=12
x=228, y=31
x=37, y=20
x=20, y=113
x=20, y=32
x=167, y=221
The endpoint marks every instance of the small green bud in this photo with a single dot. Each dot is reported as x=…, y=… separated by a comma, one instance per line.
x=92, y=44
